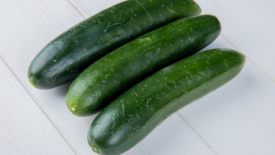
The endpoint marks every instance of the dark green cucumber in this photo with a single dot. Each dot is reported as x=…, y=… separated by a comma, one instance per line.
x=111, y=75
x=134, y=114
x=69, y=54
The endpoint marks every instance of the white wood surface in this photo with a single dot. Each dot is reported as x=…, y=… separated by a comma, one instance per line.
x=249, y=24
x=24, y=129
x=236, y=119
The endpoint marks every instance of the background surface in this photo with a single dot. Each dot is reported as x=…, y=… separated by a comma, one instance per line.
x=237, y=119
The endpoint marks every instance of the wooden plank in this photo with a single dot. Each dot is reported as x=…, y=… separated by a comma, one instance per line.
x=25, y=30
x=238, y=118
x=26, y=26
x=24, y=129
x=250, y=26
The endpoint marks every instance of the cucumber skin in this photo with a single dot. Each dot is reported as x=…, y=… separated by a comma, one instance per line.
x=107, y=78
x=73, y=51
x=134, y=114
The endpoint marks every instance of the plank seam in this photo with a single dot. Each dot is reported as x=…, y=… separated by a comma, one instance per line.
x=253, y=62
x=77, y=9
x=196, y=132
x=36, y=102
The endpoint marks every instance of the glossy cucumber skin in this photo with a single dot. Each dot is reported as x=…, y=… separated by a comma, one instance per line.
x=73, y=51
x=134, y=114
x=111, y=75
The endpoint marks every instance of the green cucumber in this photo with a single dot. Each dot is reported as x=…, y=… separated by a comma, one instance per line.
x=111, y=75
x=134, y=114
x=63, y=59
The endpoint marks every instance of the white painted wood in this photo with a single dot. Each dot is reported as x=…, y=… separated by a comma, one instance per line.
x=249, y=24
x=24, y=129
x=238, y=118
x=235, y=119
x=25, y=27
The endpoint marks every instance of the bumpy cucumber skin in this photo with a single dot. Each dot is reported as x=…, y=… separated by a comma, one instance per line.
x=134, y=114
x=69, y=54
x=108, y=77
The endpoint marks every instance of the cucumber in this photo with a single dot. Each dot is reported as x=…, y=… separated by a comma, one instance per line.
x=134, y=114
x=111, y=75
x=63, y=59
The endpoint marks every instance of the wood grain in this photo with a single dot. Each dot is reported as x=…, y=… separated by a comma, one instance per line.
x=24, y=129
